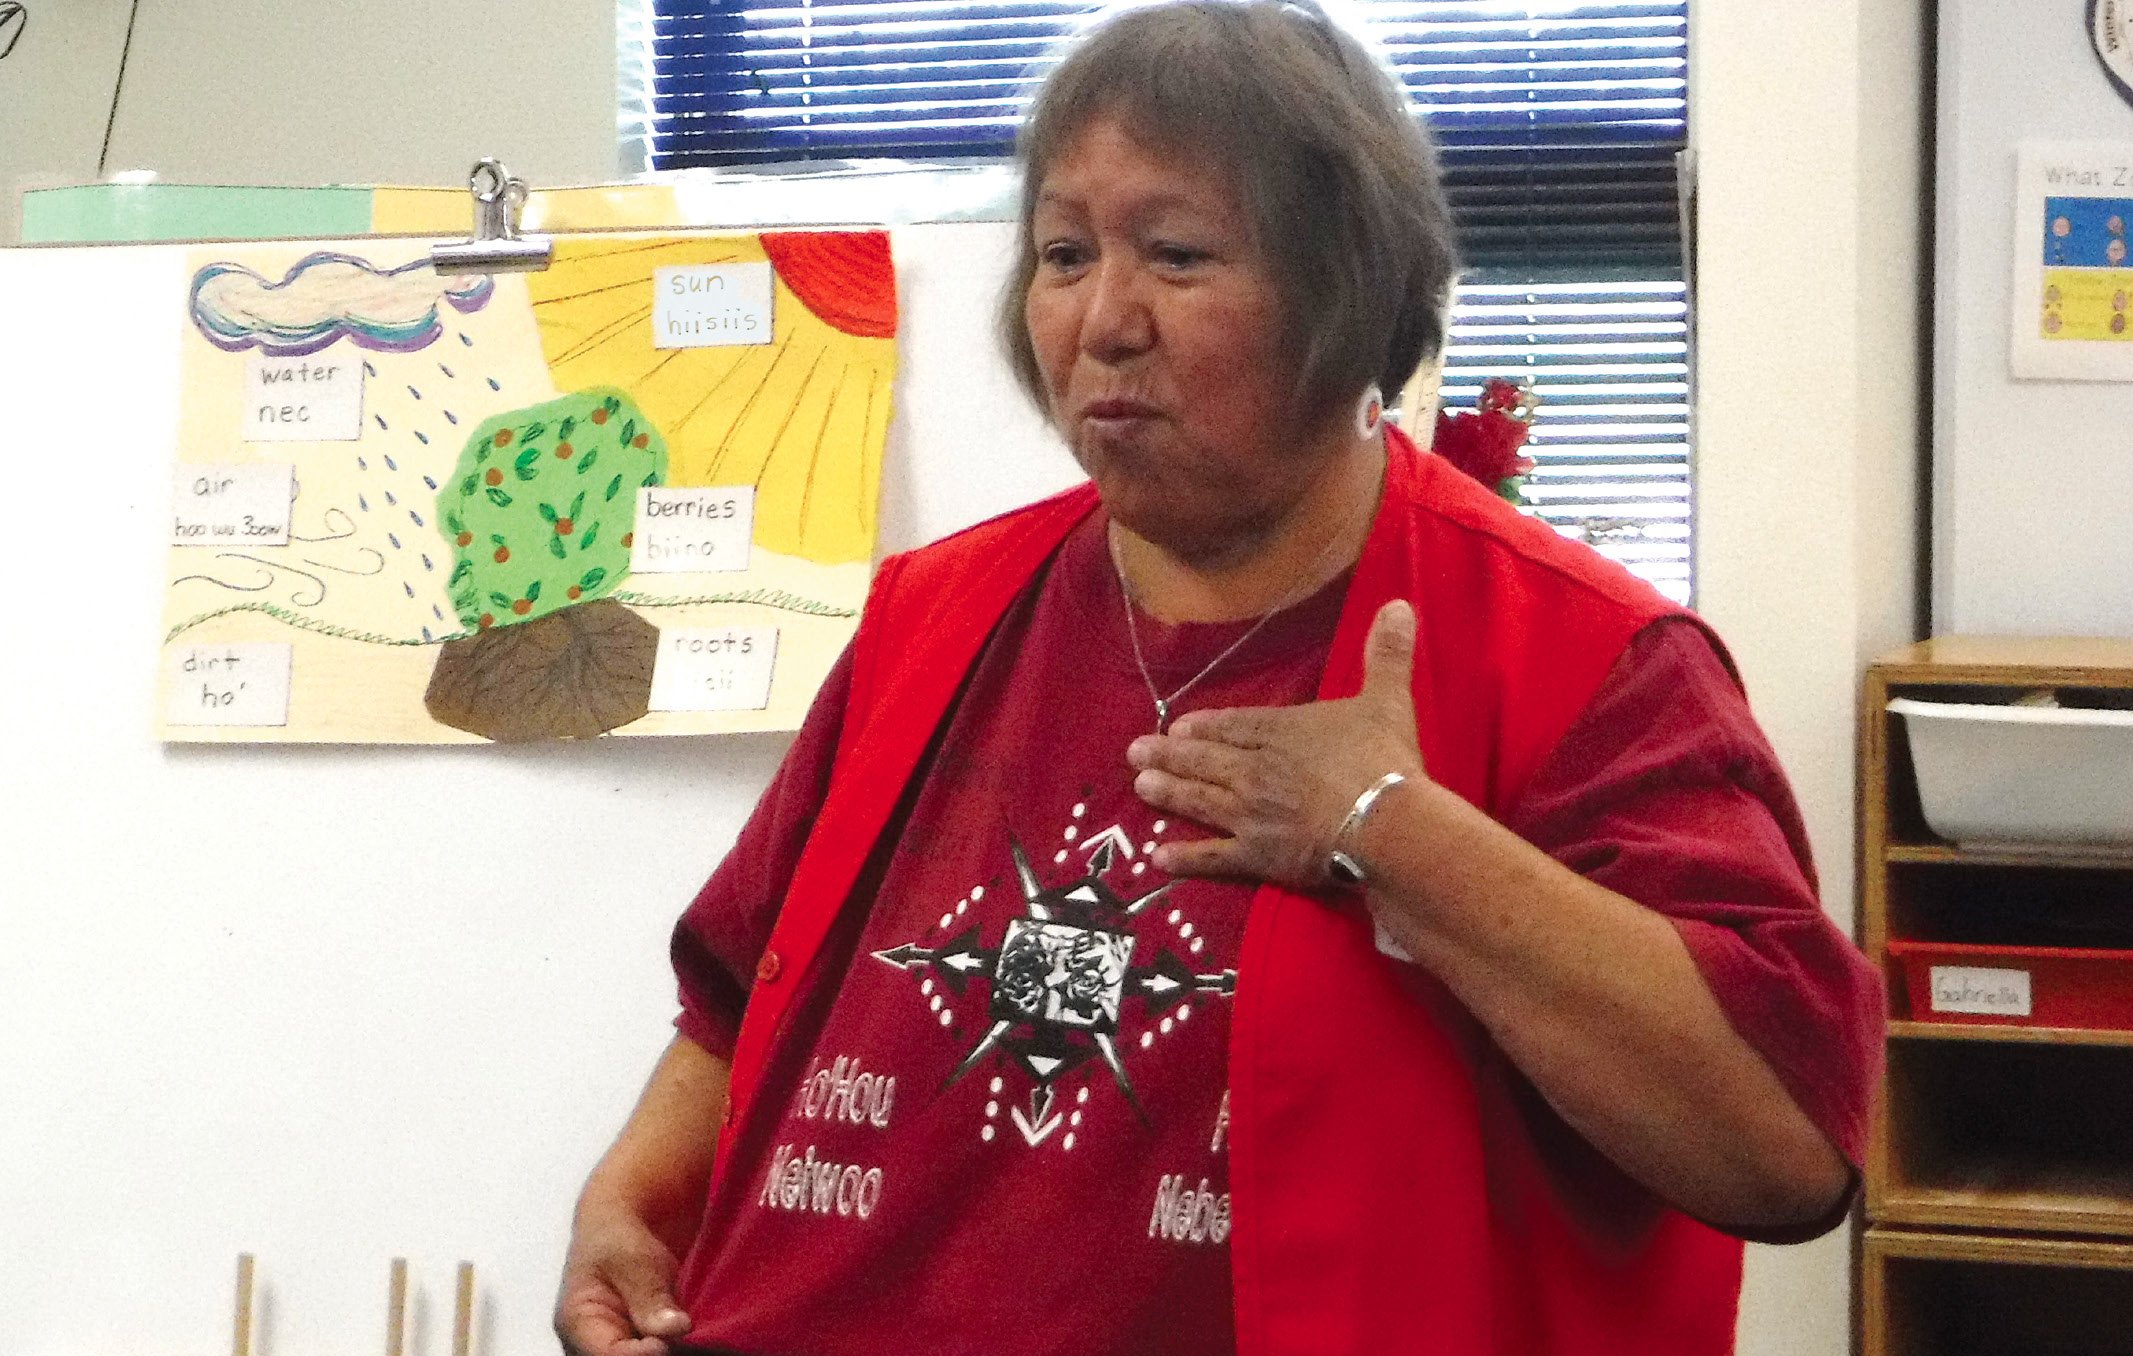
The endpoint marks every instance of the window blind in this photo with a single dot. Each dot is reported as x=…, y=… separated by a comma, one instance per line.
x=1557, y=123
x=1610, y=439
x=1557, y=126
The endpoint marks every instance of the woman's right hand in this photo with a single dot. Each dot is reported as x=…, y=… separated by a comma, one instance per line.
x=639, y=1211
x=617, y=1293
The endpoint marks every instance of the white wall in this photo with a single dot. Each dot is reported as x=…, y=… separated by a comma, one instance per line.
x=1808, y=125
x=311, y=91
x=2033, y=480
x=336, y=1004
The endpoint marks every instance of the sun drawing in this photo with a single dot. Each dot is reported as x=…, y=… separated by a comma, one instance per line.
x=803, y=419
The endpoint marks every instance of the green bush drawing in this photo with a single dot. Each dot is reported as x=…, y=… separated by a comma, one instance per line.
x=540, y=511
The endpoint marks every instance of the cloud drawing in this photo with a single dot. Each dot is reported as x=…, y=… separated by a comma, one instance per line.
x=326, y=296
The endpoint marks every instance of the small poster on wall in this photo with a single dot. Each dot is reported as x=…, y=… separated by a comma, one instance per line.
x=2072, y=312
x=633, y=492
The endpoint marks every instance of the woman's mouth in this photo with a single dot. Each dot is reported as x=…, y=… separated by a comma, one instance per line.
x=1117, y=413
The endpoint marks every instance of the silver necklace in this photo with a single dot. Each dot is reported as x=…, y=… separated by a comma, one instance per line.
x=1165, y=706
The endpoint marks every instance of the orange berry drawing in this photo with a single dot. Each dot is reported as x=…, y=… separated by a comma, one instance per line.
x=563, y=526
x=503, y=553
x=495, y=476
x=466, y=539
x=488, y=619
x=522, y=606
x=503, y=437
x=599, y=416
x=627, y=537
x=575, y=593
x=563, y=451
x=641, y=440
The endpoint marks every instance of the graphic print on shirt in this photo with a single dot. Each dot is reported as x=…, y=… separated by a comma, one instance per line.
x=1057, y=982
x=844, y=1091
x=1185, y=1213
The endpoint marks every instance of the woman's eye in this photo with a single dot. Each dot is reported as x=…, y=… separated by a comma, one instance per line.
x=1062, y=255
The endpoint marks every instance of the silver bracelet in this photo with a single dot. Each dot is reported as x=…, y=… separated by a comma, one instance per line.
x=1343, y=867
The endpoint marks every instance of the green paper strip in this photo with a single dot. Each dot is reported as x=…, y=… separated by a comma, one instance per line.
x=99, y=214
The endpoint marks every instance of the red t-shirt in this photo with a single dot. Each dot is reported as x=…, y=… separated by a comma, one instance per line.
x=995, y=1121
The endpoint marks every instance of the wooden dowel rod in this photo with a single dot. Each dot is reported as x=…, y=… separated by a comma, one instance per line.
x=463, y=1313
x=241, y=1340
x=396, y=1309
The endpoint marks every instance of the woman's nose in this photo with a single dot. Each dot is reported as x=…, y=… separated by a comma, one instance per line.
x=1118, y=323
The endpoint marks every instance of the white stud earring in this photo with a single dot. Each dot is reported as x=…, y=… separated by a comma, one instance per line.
x=1370, y=411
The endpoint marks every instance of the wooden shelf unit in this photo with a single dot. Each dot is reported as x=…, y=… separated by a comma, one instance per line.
x=2030, y=1035
x=1948, y=854
x=1944, y=1294
x=1999, y=1179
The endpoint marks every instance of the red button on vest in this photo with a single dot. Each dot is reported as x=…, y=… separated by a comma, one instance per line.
x=767, y=968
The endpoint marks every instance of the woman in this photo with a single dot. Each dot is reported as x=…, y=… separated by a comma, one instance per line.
x=1274, y=897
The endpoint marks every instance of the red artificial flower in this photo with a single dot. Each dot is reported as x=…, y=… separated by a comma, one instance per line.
x=1485, y=442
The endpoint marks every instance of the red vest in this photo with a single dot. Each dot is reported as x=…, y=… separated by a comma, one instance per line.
x=1396, y=1185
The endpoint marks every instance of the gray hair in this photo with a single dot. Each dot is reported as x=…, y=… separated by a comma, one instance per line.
x=1333, y=167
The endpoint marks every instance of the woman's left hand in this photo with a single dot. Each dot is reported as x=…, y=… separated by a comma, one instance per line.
x=1279, y=780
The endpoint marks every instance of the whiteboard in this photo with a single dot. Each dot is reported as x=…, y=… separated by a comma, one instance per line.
x=332, y=1005
x=2032, y=480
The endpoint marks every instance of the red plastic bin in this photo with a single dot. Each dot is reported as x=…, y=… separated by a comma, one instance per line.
x=1975, y=985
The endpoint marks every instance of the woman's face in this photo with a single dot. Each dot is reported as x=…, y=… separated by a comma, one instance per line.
x=1158, y=326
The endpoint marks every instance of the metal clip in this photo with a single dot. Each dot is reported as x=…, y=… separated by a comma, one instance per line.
x=497, y=247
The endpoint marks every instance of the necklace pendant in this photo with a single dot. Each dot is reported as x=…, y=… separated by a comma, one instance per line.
x=1162, y=716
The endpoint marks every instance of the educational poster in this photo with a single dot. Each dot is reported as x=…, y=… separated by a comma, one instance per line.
x=634, y=493
x=2073, y=282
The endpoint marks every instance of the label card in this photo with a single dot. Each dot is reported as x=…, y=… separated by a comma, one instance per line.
x=225, y=506
x=680, y=531
x=1965, y=988
x=720, y=668
x=711, y=305
x=302, y=400
x=228, y=685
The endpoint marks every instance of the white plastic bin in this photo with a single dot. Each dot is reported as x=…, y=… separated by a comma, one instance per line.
x=2022, y=774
